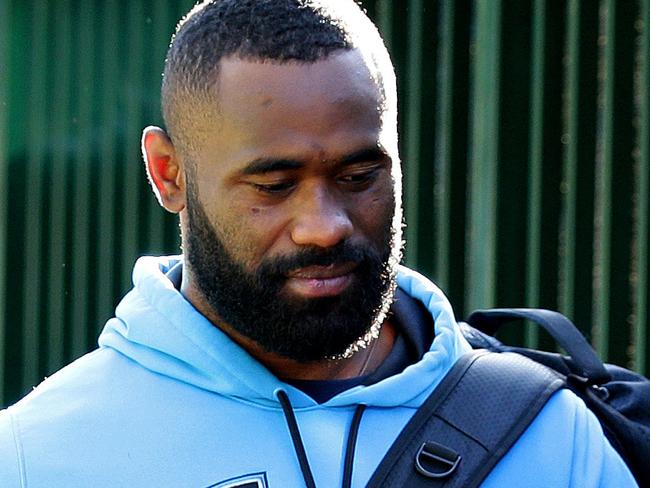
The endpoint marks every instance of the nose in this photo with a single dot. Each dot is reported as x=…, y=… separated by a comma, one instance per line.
x=320, y=219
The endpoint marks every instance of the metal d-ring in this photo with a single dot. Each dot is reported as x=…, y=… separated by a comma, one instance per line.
x=438, y=453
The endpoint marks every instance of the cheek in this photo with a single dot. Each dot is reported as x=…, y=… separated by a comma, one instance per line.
x=375, y=212
x=232, y=229
x=252, y=231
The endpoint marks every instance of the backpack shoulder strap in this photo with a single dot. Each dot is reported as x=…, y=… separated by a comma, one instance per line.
x=468, y=423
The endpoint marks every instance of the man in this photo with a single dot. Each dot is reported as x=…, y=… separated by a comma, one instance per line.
x=286, y=347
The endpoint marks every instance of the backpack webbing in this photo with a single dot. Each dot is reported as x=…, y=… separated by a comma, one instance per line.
x=468, y=423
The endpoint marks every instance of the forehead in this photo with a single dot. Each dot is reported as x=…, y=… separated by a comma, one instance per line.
x=272, y=106
x=339, y=78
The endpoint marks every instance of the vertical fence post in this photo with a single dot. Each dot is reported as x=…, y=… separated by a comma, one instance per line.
x=5, y=25
x=131, y=168
x=641, y=338
x=105, y=236
x=83, y=161
x=34, y=223
x=384, y=20
x=154, y=216
x=54, y=317
x=412, y=129
x=570, y=164
x=444, y=139
x=613, y=291
x=451, y=148
x=604, y=177
x=484, y=156
x=536, y=156
x=575, y=290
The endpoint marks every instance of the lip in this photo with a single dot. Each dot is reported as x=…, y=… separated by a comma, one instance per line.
x=320, y=281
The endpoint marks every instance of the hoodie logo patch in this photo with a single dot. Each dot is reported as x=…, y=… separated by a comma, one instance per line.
x=254, y=480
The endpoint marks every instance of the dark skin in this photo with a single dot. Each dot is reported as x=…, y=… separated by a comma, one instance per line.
x=298, y=155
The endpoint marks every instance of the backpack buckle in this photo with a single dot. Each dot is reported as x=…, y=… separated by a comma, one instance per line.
x=434, y=460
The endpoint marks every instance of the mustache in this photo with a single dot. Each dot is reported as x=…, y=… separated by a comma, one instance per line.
x=344, y=252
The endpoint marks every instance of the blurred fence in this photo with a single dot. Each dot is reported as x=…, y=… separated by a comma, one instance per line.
x=525, y=141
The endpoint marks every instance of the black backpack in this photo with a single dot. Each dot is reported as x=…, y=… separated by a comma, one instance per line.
x=493, y=393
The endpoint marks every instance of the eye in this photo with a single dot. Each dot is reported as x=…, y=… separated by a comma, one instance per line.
x=359, y=178
x=276, y=188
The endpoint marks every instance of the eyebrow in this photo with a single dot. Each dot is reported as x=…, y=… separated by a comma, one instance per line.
x=268, y=165
x=364, y=155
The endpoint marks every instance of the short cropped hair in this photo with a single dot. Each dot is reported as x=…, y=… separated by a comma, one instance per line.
x=275, y=30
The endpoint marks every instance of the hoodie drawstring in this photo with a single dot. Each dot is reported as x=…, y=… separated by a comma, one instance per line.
x=352, y=442
x=299, y=447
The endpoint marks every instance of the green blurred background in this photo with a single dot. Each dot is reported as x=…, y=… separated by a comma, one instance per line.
x=525, y=141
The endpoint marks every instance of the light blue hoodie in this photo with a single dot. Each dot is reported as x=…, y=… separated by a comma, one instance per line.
x=168, y=400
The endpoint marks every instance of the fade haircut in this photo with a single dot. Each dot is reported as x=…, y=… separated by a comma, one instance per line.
x=263, y=30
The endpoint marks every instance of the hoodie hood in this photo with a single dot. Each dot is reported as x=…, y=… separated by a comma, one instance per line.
x=155, y=326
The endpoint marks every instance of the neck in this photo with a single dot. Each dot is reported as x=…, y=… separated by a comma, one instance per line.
x=362, y=362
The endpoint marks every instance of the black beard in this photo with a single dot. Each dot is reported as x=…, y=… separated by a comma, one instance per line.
x=254, y=304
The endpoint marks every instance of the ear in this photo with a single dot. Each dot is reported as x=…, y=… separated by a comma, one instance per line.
x=163, y=169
